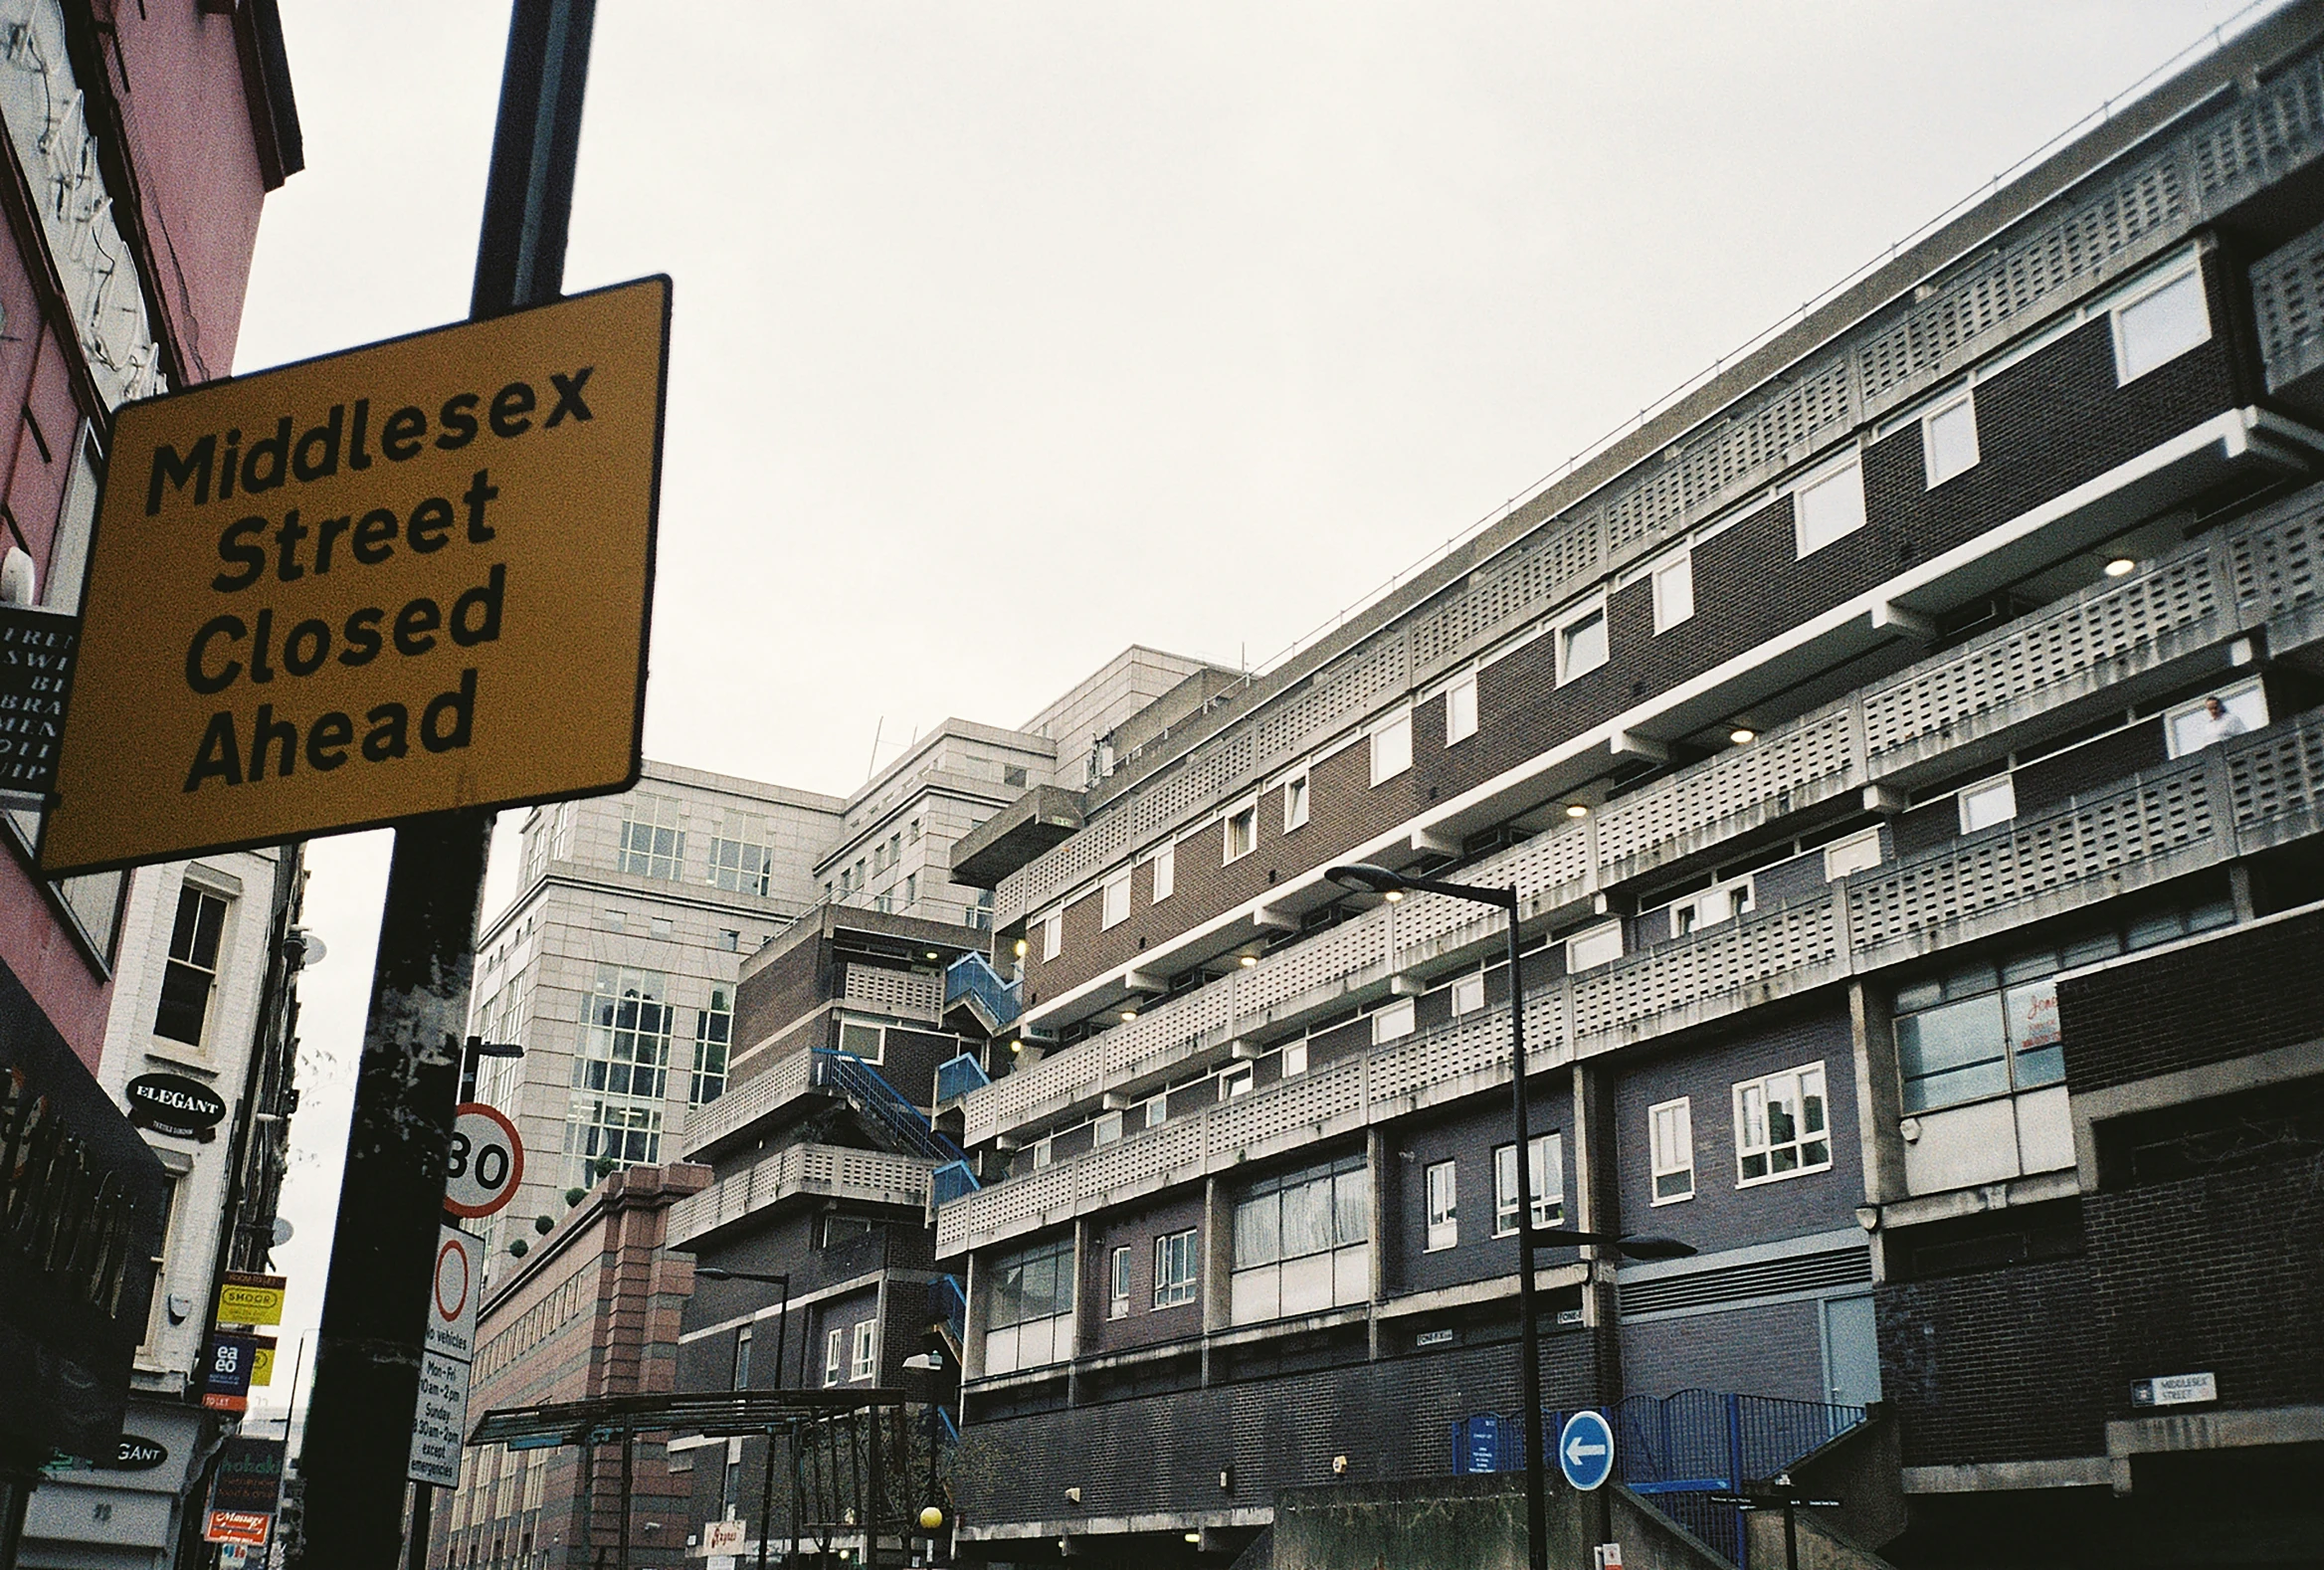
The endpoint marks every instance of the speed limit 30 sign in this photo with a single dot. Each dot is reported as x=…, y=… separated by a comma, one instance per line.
x=488, y=1162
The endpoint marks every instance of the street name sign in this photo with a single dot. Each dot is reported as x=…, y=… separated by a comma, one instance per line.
x=399, y=580
x=1584, y=1449
x=440, y=1421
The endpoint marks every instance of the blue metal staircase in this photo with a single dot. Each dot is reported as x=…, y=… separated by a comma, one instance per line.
x=971, y=980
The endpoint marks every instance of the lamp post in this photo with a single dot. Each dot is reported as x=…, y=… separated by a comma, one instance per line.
x=1367, y=878
x=766, y=1491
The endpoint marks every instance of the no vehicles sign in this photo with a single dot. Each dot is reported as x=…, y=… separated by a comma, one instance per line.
x=400, y=580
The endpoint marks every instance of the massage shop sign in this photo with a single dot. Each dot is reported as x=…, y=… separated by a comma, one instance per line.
x=403, y=579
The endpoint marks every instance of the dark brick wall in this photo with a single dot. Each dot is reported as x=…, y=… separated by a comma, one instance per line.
x=1136, y=1228
x=2043, y=426
x=2222, y=1272
x=1758, y=1349
x=1995, y=1365
x=1724, y=1215
x=768, y=999
x=1390, y=1419
x=1467, y=1137
x=909, y=1061
x=2206, y=1004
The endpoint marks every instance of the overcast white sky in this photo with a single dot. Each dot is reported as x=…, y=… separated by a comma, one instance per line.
x=1010, y=333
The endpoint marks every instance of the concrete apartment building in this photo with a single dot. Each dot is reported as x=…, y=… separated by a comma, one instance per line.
x=204, y=993
x=1907, y=749
x=140, y=145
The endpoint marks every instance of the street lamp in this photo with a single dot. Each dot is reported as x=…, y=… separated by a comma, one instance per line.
x=1366, y=877
x=766, y=1494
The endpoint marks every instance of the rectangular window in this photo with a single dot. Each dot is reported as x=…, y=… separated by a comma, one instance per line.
x=1036, y=1283
x=835, y=1351
x=1983, y=805
x=1106, y=1129
x=1114, y=897
x=1460, y=709
x=1157, y=1109
x=743, y=865
x=1675, y=593
x=2160, y=326
x=1294, y=802
x=1546, y=1173
x=1392, y=748
x=1043, y=1152
x=895, y=848
x=1597, y=946
x=742, y=1358
x=1720, y=904
x=191, y=973
x=1778, y=1126
x=1295, y=1059
x=661, y=926
x=1053, y=933
x=1165, y=871
x=1828, y=508
x=860, y=1365
x=1241, y=832
x=1012, y=775
x=864, y=1040
x=1233, y=1083
x=621, y=1073
x=1302, y=1242
x=2213, y=717
x=653, y=845
x=1175, y=1269
x=1948, y=440
x=911, y=888
x=1671, y=1136
x=730, y=940
x=714, y=1036
x=1394, y=1022
x=1855, y=854
x=1443, y=1179
x=1119, y=1298
x=1580, y=644
x=1468, y=994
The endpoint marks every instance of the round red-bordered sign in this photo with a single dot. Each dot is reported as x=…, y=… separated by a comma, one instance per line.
x=488, y=1162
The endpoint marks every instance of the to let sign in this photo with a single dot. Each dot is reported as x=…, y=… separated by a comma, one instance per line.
x=400, y=580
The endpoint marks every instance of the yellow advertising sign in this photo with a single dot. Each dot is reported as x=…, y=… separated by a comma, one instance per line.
x=403, y=579
x=261, y=1364
x=246, y=1298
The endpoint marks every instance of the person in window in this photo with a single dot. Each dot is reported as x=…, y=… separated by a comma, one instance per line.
x=2220, y=722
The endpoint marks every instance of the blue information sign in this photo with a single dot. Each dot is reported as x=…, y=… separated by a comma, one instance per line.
x=1584, y=1449
x=1480, y=1444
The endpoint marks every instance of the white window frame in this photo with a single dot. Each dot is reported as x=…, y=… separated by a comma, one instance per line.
x=1295, y=1059
x=1761, y=1142
x=1395, y=1022
x=834, y=1354
x=1850, y=470
x=1857, y=853
x=1106, y=1129
x=1549, y=1184
x=1157, y=1111
x=1590, y=941
x=1118, y=1283
x=864, y=1361
x=1053, y=933
x=1391, y=748
x=1966, y=401
x=1999, y=785
x=1567, y=670
x=1296, y=791
x=1235, y=1083
x=1174, y=1291
x=1671, y=1147
x=2242, y=699
x=1460, y=709
x=1165, y=871
x=1673, y=590
x=2193, y=269
x=1113, y=901
x=1247, y=816
x=1712, y=907
x=1441, y=1184
x=1467, y=994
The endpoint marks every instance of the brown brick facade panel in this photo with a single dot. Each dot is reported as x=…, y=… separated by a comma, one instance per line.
x=2000, y=1365
x=2210, y=1003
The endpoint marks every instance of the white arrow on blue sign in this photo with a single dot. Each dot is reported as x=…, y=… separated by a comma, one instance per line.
x=1584, y=1449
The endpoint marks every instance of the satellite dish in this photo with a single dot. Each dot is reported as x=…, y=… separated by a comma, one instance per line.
x=19, y=580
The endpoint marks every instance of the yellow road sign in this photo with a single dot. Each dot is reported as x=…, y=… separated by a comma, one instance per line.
x=398, y=580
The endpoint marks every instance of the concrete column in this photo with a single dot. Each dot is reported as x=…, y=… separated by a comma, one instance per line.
x=1597, y=1208
x=1084, y=1327
x=1218, y=1264
x=980, y=1307
x=1382, y=1222
x=1880, y=1094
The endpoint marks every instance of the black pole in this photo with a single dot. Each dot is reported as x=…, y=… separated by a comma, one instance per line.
x=766, y=1489
x=422, y=1496
x=1529, y=1336
x=391, y=1197
x=871, y=1504
x=1790, y=1533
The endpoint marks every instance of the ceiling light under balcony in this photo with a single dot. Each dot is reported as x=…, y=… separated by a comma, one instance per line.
x=1129, y=1015
x=1393, y=895
x=1742, y=736
x=1575, y=809
x=1249, y=960
x=2121, y=567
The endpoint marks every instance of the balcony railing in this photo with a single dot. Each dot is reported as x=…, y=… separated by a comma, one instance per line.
x=745, y=1102
x=874, y=1177
x=904, y=994
x=2230, y=581
x=971, y=979
x=2227, y=801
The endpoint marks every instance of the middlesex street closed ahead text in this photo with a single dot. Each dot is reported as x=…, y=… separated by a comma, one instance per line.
x=403, y=579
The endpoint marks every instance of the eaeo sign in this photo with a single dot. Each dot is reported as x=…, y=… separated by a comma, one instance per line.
x=400, y=580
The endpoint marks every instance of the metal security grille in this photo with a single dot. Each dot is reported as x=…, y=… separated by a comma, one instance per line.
x=1802, y=1273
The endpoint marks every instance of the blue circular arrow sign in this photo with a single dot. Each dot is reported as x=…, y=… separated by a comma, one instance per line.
x=1584, y=1449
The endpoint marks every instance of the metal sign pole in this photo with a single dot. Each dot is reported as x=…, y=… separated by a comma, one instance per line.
x=391, y=1198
